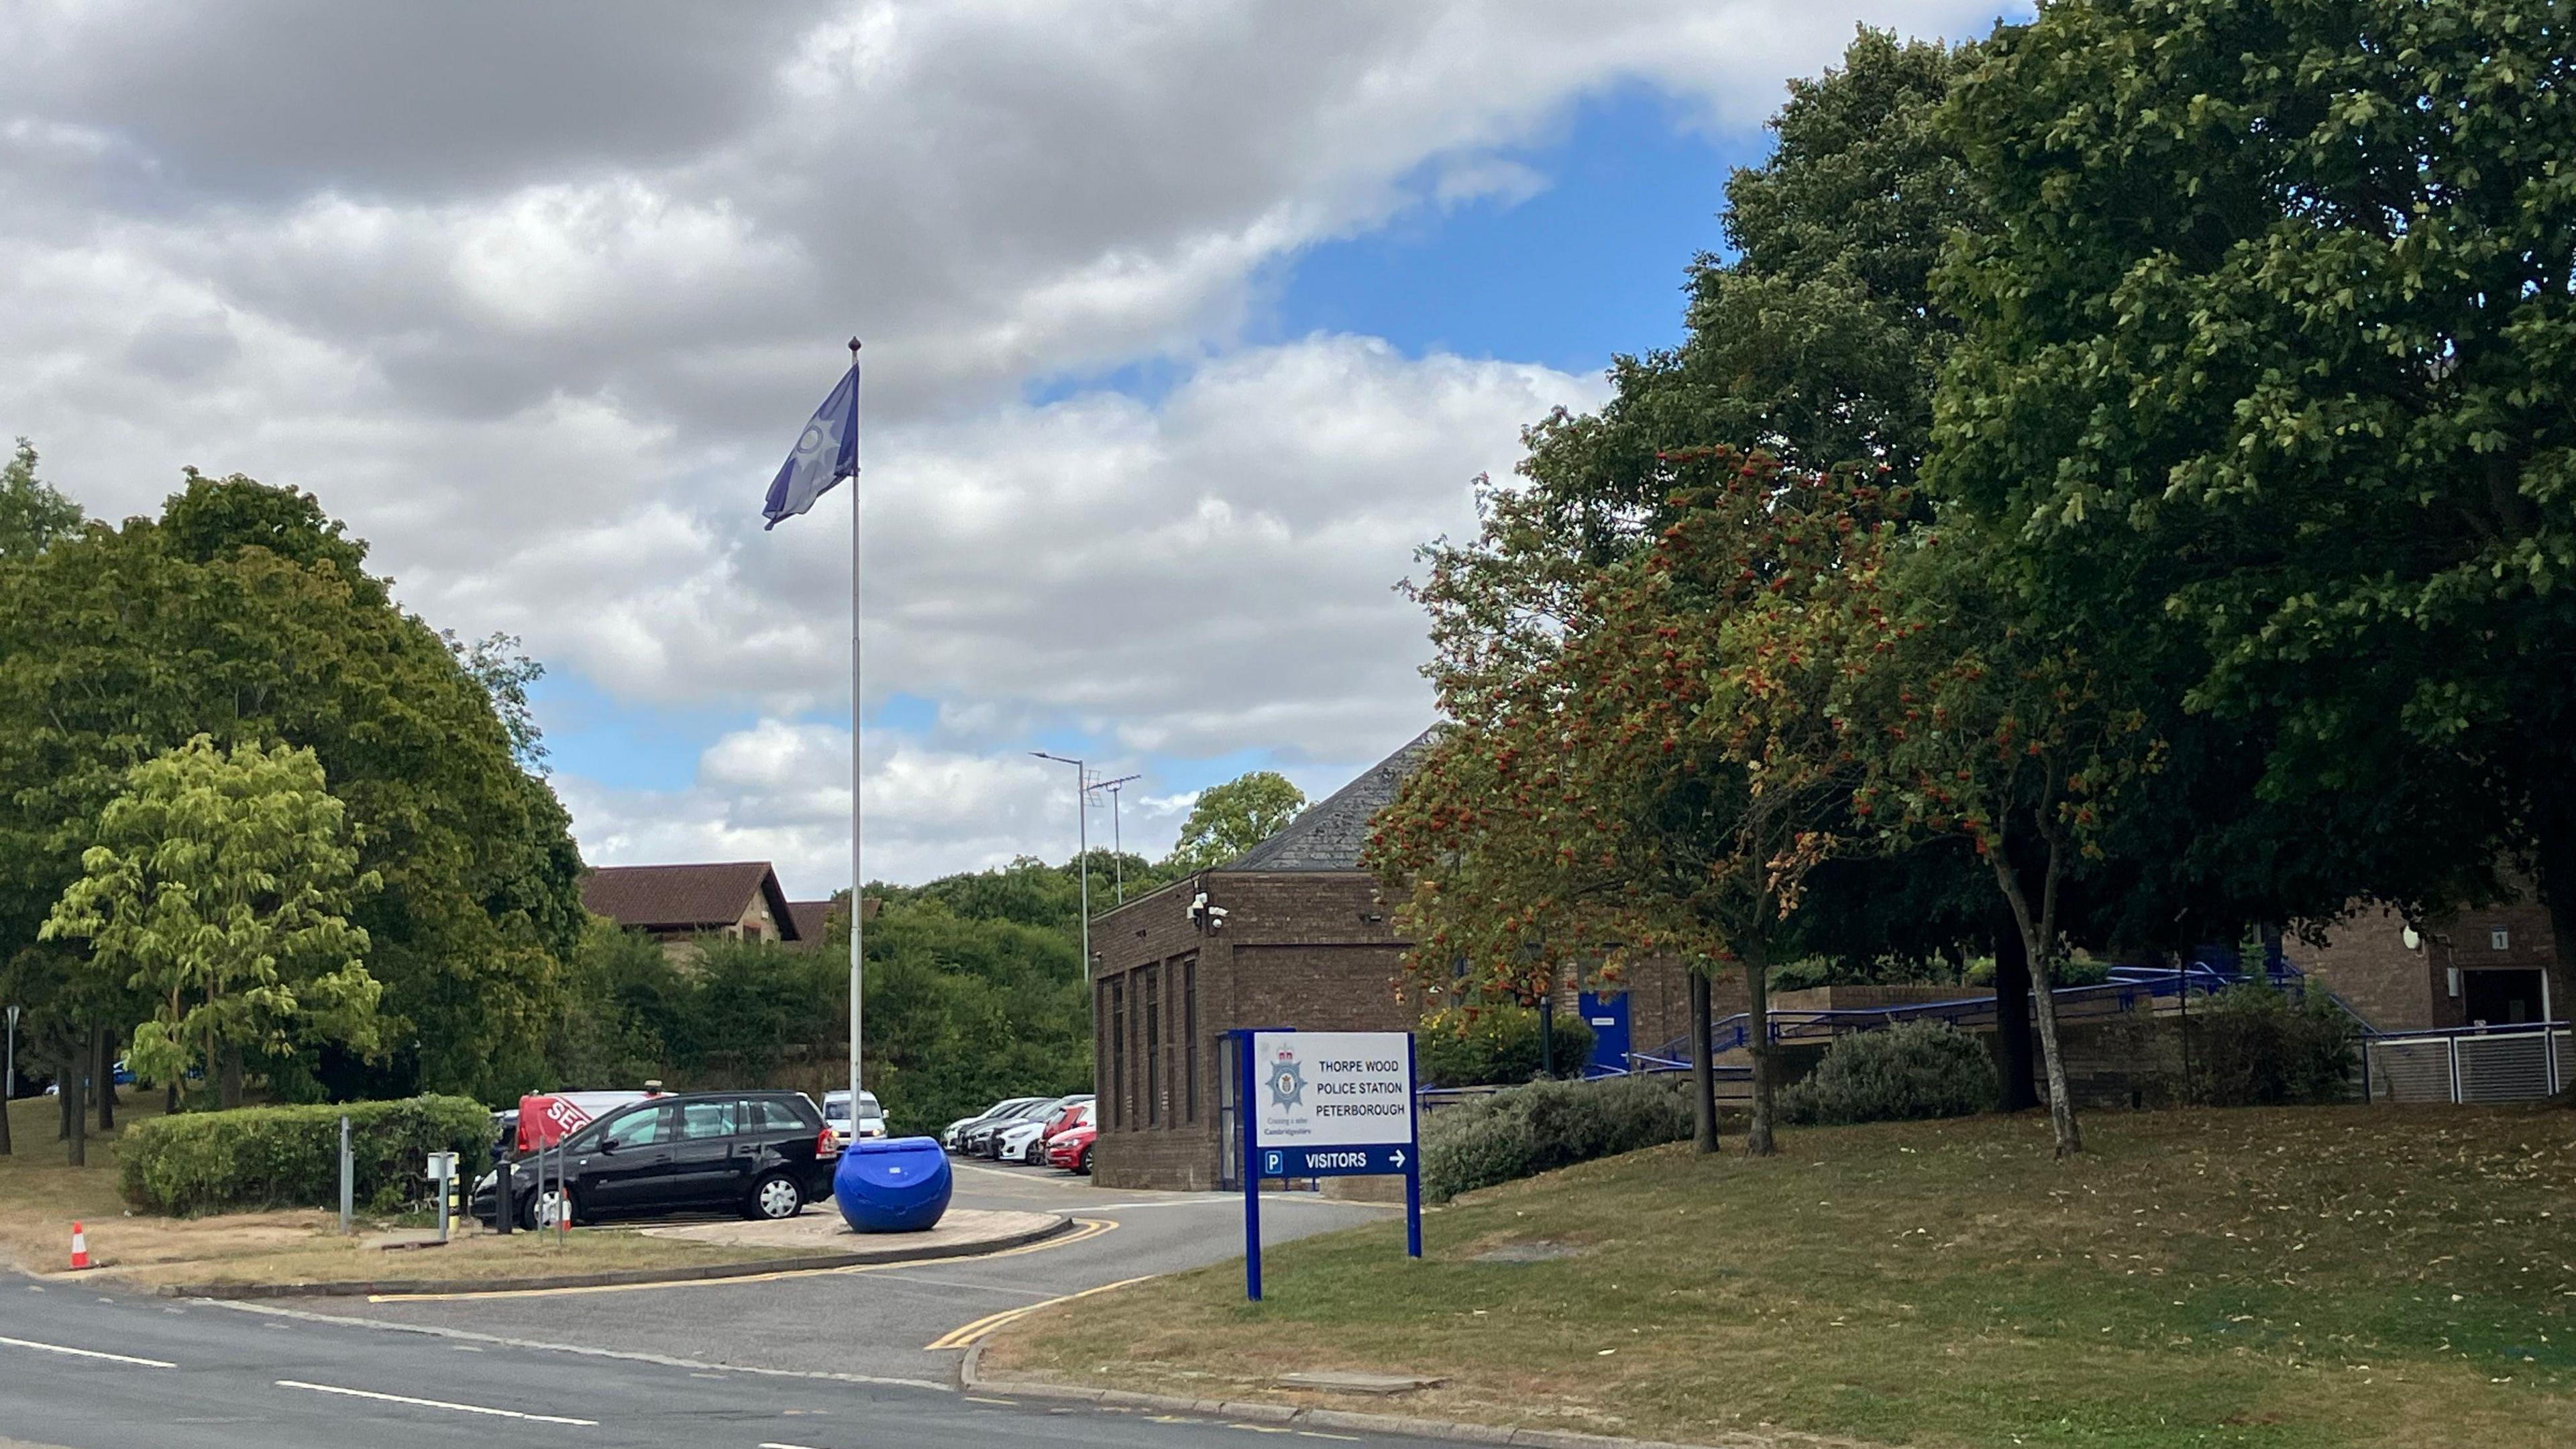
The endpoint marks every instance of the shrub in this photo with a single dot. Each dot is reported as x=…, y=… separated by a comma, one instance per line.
x=264, y=1157
x=1499, y=1048
x=1911, y=1070
x=1537, y=1128
x=2252, y=1046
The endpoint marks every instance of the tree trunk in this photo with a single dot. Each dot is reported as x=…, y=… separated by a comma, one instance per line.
x=2061, y=1107
x=230, y=1078
x=1757, y=1027
x=2012, y=1021
x=76, y=1130
x=105, y=1055
x=2038, y=935
x=1703, y=1071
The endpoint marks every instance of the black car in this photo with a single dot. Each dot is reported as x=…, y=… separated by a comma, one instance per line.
x=766, y=1154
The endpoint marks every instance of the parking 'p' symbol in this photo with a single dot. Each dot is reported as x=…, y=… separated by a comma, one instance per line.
x=1274, y=1163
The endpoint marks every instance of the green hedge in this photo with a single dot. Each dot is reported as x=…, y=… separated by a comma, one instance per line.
x=268, y=1157
x=2252, y=1046
x=1911, y=1070
x=1498, y=1047
x=1538, y=1128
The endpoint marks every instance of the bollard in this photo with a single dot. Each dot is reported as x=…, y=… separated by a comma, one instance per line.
x=346, y=1185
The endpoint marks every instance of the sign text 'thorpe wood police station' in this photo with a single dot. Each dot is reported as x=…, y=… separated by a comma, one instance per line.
x=1332, y=1103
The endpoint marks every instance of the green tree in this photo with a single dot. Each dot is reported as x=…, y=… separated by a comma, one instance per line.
x=246, y=614
x=32, y=513
x=1974, y=723
x=505, y=671
x=2268, y=353
x=220, y=887
x=1231, y=818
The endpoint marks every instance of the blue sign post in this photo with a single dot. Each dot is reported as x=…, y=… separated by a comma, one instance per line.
x=1326, y=1104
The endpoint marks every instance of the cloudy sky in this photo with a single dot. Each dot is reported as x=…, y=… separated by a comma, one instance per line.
x=1186, y=322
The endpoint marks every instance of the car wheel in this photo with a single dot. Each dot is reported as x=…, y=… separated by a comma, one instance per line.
x=546, y=1209
x=1082, y=1162
x=776, y=1198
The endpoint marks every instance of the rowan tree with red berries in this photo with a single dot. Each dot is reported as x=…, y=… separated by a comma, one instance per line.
x=1644, y=759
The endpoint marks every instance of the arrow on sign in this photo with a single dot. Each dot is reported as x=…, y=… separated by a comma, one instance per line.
x=1396, y=1157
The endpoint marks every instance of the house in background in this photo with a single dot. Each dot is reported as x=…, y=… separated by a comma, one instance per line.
x=677, y=904
x=815, y=920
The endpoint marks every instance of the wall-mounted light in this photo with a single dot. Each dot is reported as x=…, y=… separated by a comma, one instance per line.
x=1207, y=917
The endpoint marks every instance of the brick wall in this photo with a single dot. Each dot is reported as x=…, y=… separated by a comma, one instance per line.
x=2366, y=961
x=1308, y=949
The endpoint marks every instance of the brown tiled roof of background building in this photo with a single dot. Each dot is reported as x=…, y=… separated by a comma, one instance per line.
x=813, y=919
x=685, y=897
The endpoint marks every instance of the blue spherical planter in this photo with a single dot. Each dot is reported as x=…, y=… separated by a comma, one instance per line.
x=892, y=1184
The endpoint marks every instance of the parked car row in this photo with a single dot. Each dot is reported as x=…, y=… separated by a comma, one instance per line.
x=1049, y=1131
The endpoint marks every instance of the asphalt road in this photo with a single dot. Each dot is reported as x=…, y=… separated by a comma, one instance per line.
x=821, y=1361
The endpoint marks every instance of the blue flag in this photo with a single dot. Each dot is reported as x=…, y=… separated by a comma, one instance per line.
x=826, y=453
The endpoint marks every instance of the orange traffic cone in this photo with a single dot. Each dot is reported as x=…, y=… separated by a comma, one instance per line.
x=80, y=1248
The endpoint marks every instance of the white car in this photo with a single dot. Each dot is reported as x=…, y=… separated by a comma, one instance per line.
x=1021, y=1140
x=836, y=1115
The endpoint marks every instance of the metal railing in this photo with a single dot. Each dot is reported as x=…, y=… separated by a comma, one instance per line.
x=2519, y=1063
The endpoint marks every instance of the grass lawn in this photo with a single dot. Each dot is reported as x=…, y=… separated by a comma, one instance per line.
x=2301, y=1277
x=40, y=1198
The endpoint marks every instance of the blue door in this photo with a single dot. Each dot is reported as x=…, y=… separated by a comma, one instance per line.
x=1607, y=1014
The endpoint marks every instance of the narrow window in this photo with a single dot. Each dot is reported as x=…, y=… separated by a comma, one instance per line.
x=1190, y=1038
x=1118, y=1051
x=1153, y=1044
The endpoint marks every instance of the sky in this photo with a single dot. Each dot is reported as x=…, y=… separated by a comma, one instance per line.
x=1186, y=323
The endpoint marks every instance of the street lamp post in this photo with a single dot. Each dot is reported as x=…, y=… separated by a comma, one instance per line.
x=1082, y=846
x=1117, y=843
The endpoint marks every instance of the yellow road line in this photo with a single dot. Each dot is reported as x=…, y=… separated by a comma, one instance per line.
x=966, y=1335
x=1085, y=1229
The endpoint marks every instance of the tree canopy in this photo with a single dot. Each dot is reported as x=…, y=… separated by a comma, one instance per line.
x=245, y=614
x=1231, y=818
x=220, y=890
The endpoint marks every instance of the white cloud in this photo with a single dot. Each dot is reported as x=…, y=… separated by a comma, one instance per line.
x=536, y=302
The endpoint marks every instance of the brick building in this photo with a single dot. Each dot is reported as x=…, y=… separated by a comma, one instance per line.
x=2494, y=965
x=1291, y=934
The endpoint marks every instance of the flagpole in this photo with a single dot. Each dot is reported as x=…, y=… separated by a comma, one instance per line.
x=858, y=779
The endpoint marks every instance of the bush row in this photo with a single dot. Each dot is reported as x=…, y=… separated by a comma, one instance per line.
x=265, y=1157
x=1547, y=1125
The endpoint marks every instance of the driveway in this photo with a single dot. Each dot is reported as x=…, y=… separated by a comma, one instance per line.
x=882, y=1322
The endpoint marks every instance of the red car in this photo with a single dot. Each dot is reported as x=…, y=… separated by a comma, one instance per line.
x=1070, y=1149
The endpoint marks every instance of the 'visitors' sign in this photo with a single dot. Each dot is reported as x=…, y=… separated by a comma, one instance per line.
x=1325, y=1104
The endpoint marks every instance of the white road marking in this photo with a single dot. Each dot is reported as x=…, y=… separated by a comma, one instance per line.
x=87, y=1353
x=775, y=1445
x=436, y=1404
x=586, y=1350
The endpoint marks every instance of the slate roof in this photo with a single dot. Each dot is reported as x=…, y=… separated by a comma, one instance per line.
x=685, y=897
x=1331, y=835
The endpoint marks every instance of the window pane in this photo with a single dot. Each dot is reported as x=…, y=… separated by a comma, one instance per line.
x=781, y=1117
x=642, y=1129
x=706, y=1119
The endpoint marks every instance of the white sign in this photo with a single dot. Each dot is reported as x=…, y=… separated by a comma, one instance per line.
x=1331, y=1088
